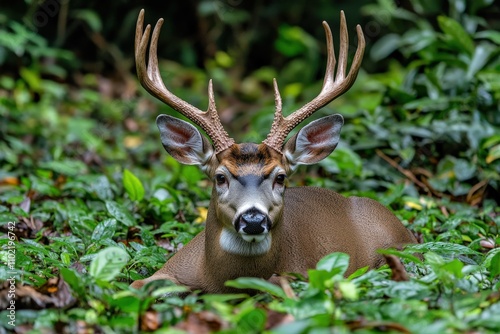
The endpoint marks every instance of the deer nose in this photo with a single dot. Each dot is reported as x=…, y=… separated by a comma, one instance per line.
x=253, y=222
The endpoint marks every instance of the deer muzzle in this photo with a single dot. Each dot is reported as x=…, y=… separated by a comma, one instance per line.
x=253, y=225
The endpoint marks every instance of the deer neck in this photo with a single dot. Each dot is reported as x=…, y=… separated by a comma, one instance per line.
x=226, y=264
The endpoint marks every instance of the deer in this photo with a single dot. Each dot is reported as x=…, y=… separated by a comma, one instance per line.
x=256, y=226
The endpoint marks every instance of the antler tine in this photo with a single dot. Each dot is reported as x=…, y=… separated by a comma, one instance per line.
x=332, y=88
x=150, y=78
x=344, y=42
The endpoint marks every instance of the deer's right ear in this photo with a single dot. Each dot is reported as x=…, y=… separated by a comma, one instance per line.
x=183, y=141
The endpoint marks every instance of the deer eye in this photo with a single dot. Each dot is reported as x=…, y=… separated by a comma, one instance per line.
x=280, y=179
x=220, y=179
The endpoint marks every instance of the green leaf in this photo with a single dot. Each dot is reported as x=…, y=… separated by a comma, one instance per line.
x=335, y=263
x=454, y=267
x=73, y=279
x=359, y=272
x=493, y=154
x=252, y=321
x=441, y=248
x=495, y=265
x=90, y=17
x=481, y=55
x=133, y=186
x=400, y=254
x=65, y=167
x=330, y=266
x=454, y=30
x=492, y=35
x=108, y=263
x=320, y=279
x=385, y=46
x=120, y=213
x=463, y=169
x=257, y=284
x=129, y=304
x=104, y=230
x=167, y=290
x=349, y=290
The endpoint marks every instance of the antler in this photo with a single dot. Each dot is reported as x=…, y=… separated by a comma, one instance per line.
x=151, y=80
x=332, y=87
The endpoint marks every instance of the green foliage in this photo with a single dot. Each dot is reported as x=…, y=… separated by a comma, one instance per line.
x=445, y=106
x=133, y=186
x=108, y=263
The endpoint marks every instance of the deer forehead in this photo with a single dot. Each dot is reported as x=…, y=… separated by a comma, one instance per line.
x=250, y=159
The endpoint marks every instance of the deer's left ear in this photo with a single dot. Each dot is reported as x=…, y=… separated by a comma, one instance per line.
x=314, y=142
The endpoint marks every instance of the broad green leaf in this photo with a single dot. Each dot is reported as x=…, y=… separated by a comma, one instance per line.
x=133, y=186
x=223, y=59
x=257, y=284
x=334, y=262
x=492, y=35
x=101, y=186
x=386, y=45
x=428, y=104
x=167, y=290
x=493, y=154
x=108, y=263
x=252, y=321
x=463, y=169
x=441, y=248
x=90, y=17
x=31, y=77
x=401, y=254
x=66, y=258
x=481, y=55
x=73, y=279
x=65, y=167
x=332, y=265
x=120, y=213
x=495, y=265
x=359, y=272
x=349, y=290
x=126, y=303
x=454, y=267
x=104, y=230
x=292, y=41
x=320, y=279
x=454, y=30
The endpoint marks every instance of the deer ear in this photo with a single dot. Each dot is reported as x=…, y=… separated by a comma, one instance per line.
x=183, y=141
x=314, y=142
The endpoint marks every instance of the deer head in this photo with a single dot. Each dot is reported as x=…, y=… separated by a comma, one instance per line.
x=249, y=179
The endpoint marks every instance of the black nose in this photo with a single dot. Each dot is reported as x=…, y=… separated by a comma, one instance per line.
x=253, y=222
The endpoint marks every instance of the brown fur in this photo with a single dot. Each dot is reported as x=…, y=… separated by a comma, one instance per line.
x=314, y=222
x=250, y=158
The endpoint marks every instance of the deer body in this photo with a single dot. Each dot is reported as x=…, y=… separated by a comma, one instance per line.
x=314, y=222
x=255, y=225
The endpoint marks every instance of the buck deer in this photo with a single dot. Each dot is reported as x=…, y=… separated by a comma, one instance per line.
x=256, y=226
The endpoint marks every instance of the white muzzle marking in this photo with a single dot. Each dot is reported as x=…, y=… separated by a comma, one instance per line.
x=244, y=244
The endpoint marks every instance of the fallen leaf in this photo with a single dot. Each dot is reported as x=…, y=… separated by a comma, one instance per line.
x=150, y=321
x=203, y=322
x=379, y=326
x=55, y=293
x=132, y=141
x=9, y=181
x=275, y=319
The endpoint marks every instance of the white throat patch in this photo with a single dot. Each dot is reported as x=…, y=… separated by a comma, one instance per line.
x=233, y=243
